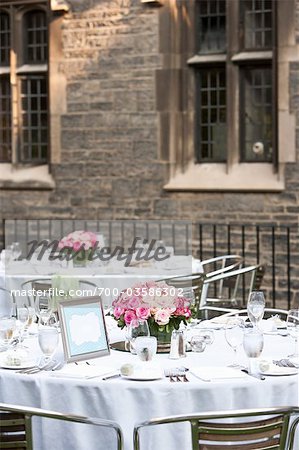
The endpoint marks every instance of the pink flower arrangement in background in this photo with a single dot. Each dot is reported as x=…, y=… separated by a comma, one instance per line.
x=158, y=303
x=78, y=240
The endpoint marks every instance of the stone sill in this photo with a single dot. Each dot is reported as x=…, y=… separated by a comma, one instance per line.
x=254, y=177
x=29, y=178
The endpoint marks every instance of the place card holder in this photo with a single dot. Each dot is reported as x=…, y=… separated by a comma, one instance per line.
x=83, y=328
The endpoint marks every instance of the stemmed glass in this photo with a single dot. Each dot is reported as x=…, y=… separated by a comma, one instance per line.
x=48, y=338
x=293, y=329
x=136, y=330
x=234, y=335
x=43, y=308
x=23, y=318
x=7, y=329
x=16, y=250
x=256, y=307
x=253, y=344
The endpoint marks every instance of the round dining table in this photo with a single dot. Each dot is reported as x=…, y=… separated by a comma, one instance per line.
x=79, y=388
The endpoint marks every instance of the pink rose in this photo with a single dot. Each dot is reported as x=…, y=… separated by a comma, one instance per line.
x=134, y=302
x=77, y=245
x=186, y=312
x=143, y=313
x=118, y=311
x=162, y=316
x=130, y=317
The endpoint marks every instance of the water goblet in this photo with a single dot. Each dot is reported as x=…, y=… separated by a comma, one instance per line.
x=48, y=339
x=7, y=329
x=256, y=307
x=293, y=329
x=253, y=343
x=234, y=330
x=134, y=331
x=145, y=347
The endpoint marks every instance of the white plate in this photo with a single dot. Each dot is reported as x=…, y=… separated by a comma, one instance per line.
x=143, y=376
x=27, y=365
x=280, y=371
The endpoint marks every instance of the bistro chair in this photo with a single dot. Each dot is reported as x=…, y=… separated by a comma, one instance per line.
x=16, y=425
x=227, y=287
x=253, y=429
x=220, y=264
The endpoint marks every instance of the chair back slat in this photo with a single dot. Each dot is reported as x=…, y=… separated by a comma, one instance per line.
x=261, y=446
x=13, y=431
x=263, y=434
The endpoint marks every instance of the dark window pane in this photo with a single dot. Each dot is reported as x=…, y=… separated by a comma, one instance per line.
x=35, y=30
x=211, y=26
x=211, y=116
x=258, y=23
x=257, y=115
x=5, y=119
x=34, y=135
x=4, y=39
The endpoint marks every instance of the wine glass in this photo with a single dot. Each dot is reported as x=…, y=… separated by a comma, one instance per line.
x=253, y=343
x=145, y=347
x=43, y=308
x=256, y=307
x=293, y=329
x=234, y=330
x=48, y=338
x=16, y=250
x=23, y=318
x=136, y=330
x=7, y=329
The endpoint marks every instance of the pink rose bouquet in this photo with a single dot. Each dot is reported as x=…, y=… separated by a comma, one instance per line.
x=78, y=240
x=159, y=304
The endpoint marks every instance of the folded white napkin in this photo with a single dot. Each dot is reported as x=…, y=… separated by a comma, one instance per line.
x=83, y=370
x=217, y=373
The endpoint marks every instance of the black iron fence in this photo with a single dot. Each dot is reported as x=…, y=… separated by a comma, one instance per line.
x=275, y=246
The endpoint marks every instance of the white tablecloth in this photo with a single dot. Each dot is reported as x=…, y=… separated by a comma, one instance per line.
x=129, y=402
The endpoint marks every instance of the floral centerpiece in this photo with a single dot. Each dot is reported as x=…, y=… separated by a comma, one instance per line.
x=79, y=244
x=157, y=303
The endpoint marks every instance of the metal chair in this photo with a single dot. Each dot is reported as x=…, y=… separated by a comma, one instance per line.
x=230, y=280
x=253, y=429
x=268, y=312
x=221, y=264
x=16, y=425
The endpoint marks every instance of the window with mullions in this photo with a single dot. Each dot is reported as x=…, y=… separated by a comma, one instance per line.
x=212, y=115
x=23, y=129
x=234, y=42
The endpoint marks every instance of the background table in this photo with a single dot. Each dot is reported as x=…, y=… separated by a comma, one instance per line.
x=129, y=402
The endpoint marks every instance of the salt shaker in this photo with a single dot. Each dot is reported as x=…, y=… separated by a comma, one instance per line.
x=182, y=344
x=174, y=345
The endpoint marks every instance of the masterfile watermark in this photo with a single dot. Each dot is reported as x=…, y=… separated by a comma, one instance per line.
x=140, y=250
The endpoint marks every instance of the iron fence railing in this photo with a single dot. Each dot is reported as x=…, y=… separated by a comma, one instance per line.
x=275, y=246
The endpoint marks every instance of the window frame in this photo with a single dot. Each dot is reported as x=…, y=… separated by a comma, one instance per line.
x=175, y=105
x=18, y=68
